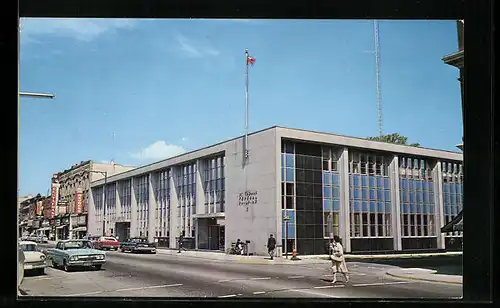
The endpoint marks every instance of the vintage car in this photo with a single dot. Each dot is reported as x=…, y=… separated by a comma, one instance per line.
x=34, y=260
x=75, y=253
x=138, y=244
x=107, y=243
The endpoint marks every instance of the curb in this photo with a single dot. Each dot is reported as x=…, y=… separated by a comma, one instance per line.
x=423, y=279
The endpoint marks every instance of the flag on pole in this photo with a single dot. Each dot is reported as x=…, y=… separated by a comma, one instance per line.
x=250, y=60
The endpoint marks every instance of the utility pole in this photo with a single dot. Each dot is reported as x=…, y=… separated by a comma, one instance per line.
x=377, y=72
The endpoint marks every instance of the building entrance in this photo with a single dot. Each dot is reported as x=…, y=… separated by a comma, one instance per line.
x=122, y=231
x=211, y=236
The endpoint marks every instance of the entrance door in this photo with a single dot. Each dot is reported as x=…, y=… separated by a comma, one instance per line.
x=213, y=237
x=222, y=237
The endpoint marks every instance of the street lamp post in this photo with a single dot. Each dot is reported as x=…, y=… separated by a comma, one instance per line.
x=36, y=95
x=105, y=173
x=286, y=219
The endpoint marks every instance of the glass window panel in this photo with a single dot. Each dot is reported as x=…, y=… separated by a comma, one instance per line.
x=380, y=181
x=326, y=178
x=387, y=195
x=388, y=207
x=336, y=192
x=357, y=193
x=336, y=205
x=446, y=188
x=290, y=161
x=380, y=195
x=357, y=206
x=387, y=183
x=419, y=197
x=380, y=207
x=372, y=181
x=431, y=197
x=372, y=194
x=426, y=197
x=365, y=194
x=425, y=208
x=373, y=208
x=419, y=209
x=405, y=208
x=356, y=180
x=404, y=183
x=412, y=197
x=418, y=185
x=282, y=174
x=413, y=208
x=327, y=205
x=365, y=206
x=452, y=188
x=290, y=175
x=404, y=196
x=327, y=191
x=335, y=178
x=364, y=180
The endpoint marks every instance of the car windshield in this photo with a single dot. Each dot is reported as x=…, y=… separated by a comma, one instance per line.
x=77, y=245
x=28, y=247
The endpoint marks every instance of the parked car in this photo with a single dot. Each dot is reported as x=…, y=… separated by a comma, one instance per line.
x=34, y=260
x=93, y=239
x=75, y=253
x=138, y=244
x=107, y=243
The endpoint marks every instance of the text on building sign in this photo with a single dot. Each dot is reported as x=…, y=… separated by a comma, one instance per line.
x=247, y=198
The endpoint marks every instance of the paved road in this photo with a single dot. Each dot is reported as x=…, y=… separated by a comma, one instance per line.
x=163, y=275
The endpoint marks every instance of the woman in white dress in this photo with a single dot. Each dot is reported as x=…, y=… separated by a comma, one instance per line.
x=338, y=260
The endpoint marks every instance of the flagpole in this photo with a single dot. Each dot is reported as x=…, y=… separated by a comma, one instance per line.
x=246, y=104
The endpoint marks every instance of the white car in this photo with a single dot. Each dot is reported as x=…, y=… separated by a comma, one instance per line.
x=34, y=260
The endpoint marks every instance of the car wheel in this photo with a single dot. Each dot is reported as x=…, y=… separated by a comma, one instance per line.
x=98, y=267
x=66, y=267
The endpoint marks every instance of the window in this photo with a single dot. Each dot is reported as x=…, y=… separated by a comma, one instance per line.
x=214, y=176
x=369, y=192
x=452, y=192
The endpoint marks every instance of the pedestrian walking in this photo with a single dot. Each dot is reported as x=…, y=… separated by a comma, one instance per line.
x=181, y=242
x=271, y=245
x=338, y=260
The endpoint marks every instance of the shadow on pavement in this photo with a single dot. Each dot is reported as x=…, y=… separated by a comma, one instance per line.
x=446, y=265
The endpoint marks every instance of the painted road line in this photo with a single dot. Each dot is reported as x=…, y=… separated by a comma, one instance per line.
x=148, y=287
x=260, y=278
x=259, y=292
x=416, y=278
x=313, y=293
x=40, y=278
x=379, y=284
x=226, y=296
x=295, y=277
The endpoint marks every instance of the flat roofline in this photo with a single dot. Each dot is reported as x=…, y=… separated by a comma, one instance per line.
x=364, y=139
x=122, y=175
x=454, y=57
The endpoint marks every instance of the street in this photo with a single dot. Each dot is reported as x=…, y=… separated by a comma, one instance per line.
x=178, y=275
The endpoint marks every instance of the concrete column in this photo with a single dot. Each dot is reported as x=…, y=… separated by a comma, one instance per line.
x=277, y=194
x=200, y=196
x=133, y=210
x=395, y=204
x=103, y=204
x=344, y=221
x=91, y=227
x=118, y=203
x=174, y=222
x=439, y=221
x=152, y=222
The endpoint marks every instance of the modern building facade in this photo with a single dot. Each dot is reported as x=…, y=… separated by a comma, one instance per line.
x=68, y=206
x=376, y=196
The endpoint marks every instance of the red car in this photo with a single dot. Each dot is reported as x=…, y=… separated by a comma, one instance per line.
x=107, y=243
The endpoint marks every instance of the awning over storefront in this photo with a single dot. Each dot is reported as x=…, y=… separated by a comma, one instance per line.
x=44, y=229
x=80, y=229
x=456, y=224
x=60, y=227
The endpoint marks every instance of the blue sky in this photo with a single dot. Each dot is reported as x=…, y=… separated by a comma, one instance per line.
x=137, y=91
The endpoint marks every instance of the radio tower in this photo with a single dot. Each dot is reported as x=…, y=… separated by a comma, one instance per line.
x=377, y=70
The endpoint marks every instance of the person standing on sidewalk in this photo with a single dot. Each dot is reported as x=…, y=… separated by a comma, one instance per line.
x=271, y=245
x=338, y=260
x=181, y=242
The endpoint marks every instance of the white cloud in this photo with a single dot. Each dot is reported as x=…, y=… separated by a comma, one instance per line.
x=82, y=29
x=158, y=151
x=194, y=49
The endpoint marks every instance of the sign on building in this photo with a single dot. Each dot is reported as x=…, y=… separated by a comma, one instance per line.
x=79, y=201
x=55, y=197
x=82, y=220
x=247, y=198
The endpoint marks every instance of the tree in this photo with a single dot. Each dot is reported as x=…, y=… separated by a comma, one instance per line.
x=394, y=138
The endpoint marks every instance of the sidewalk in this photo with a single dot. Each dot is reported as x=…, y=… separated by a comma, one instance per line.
x=424, y=275
x=264, y=260
x=349, y=257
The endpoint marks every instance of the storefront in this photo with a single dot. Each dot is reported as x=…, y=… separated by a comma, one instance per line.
x=78, y=226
